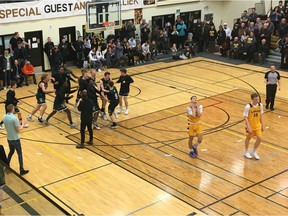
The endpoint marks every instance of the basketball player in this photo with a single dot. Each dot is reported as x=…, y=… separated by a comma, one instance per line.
x=92, y=94
x=125, y=81
x=83, y=83
x=11, y=99
x=41, y=97
x=113, y=99
x=59, y=104
x=194, y=113
x=254, y=125
x=104, y=90
x=64, y=75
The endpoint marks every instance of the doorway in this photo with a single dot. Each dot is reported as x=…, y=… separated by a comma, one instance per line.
x=70, y=34
x=35, y=53
x=161, y=20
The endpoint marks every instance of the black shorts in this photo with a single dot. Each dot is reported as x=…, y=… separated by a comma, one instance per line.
x=112, y=106
x=59, y=107
x=41, y=99
x=96, y=107
x=124, y=94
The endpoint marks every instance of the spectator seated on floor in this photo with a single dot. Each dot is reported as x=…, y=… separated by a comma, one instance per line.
x=175, y=54
x=187, y=54
x=28, y=71
x=190, y=44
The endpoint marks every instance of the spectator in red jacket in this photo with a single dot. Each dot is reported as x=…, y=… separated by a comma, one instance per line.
x=28, y=70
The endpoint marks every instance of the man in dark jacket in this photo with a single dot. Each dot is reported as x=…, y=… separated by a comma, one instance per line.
x=48, y=47
x=86, y=108
x=7, y=67
x=145, y=34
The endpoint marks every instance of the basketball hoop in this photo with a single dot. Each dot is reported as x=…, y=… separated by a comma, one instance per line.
x=108, y=25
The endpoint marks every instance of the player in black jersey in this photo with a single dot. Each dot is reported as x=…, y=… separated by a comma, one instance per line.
x=83, y=83
x=125, y=81
x=41, y=98
x=113, y=99
x=104, y=85
x=64, y=75
x=92, y=91
x=59, y=104
x=11, y=99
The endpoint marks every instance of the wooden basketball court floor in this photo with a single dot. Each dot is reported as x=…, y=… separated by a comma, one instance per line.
x=143, y=167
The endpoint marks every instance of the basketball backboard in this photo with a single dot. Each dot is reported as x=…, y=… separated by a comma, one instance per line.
x=101, y=12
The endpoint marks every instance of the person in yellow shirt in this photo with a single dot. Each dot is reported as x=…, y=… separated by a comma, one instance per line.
x=194, y=112
x=254, y=125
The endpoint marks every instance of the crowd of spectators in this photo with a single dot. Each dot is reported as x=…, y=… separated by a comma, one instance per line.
x=249, y=39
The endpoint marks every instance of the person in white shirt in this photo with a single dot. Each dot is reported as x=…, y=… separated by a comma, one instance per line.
x=101, y=58
x=146, y=51
x=227, y=30
x=93, y=59
x=132, y=42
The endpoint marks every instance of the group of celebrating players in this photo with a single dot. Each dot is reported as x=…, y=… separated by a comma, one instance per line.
x=87, y=98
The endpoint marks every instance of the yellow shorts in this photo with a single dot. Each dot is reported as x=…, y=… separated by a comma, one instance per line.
x=255, y=133
x=194, y=129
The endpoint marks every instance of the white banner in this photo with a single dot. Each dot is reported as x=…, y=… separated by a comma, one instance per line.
x=36, y=10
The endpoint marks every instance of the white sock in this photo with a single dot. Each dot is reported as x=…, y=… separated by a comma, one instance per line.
x=246, y=151
x=191, y=150
x=254, y=150
x=196, y=144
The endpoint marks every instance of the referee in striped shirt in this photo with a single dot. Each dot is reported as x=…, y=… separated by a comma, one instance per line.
x=272, y=81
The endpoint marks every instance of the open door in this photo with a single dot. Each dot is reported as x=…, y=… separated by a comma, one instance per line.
x=70, y=34
x=35, y=53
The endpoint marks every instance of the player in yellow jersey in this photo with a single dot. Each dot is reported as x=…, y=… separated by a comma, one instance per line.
x=254, y=125
x=194, y=112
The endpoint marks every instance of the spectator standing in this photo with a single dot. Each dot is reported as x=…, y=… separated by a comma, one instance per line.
x=253, y=15
x=283, y=45
x=64, y=50
x=221, y=37
x=283, y=28
x=181, y=28
x=48, y=47
x=78, y=47
x=227, y=30
x=145, y=35
x=7, y=63
x=15, y=40
x=212, y=35
x=130, y=29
